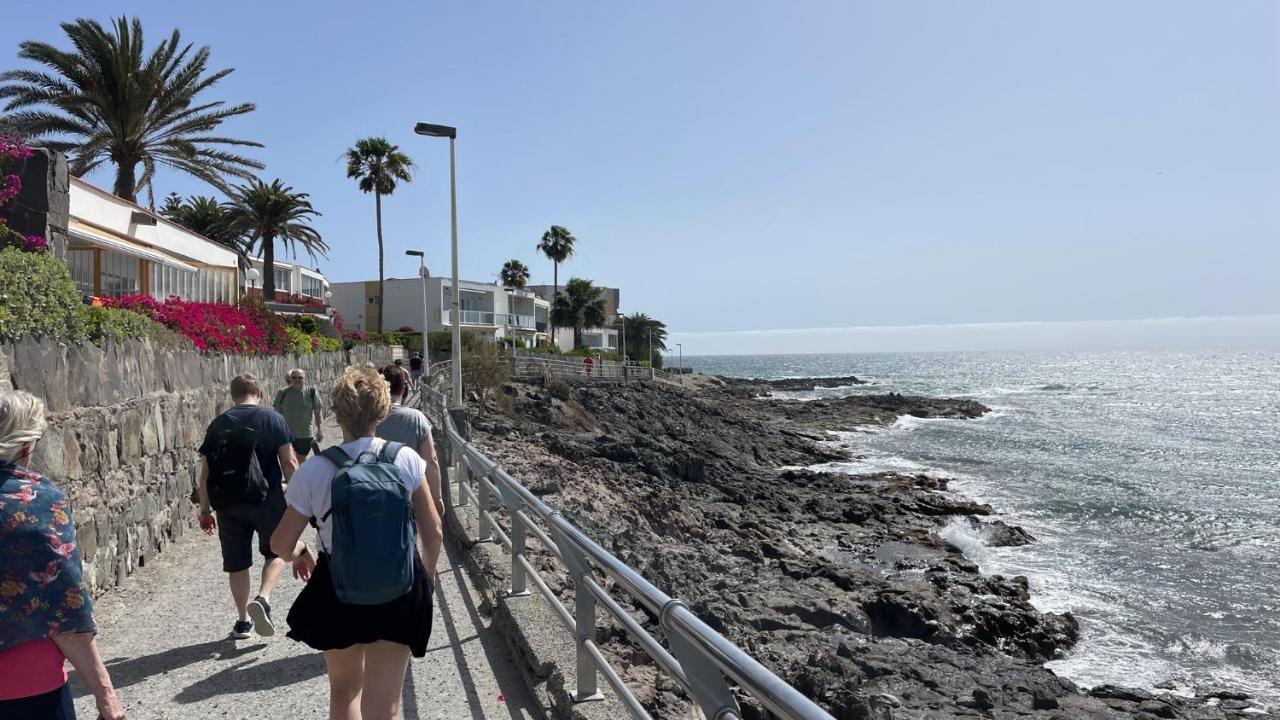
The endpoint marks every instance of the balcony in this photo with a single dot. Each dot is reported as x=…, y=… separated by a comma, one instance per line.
x=524, y=322
x=469, y=317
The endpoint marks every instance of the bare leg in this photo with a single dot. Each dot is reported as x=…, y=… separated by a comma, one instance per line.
x=240, y=592
x=384, y=667
x=346, y=673
x=271, y=573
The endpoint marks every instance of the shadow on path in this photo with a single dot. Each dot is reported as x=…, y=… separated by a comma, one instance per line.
x=249, y=677
x=130, y=671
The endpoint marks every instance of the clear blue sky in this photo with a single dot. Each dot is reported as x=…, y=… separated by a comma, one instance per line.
x=762, y=165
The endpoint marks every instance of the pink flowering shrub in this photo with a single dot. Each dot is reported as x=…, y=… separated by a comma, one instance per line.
x=244, y=329
x=13, y=155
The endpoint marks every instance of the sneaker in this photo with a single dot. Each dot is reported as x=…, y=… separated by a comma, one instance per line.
x=260, y=612
x=241, y=630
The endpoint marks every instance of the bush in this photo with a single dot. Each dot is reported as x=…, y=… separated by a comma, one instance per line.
x=244, y=329
x=558, y=390
x=300, y=343
x=551, y=349
x=442, y=341
x=306, y=323
x=105, y=323
x=38, y=297
x=324, y=343
x=394, y=337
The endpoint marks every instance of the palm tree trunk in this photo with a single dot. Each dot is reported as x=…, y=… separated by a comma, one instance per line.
x=555, y=293
x=577, y=337
x=126, y=180
x=268, y=269
x=382, y=297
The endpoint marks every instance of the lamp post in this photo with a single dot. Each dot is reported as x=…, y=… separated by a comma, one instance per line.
x=622, y=342
x=452, y=133
x=424, y=274
x=680, y=364
x=252, y=275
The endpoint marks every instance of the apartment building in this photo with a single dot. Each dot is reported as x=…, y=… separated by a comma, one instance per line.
x=115, y=248
x=601, y=338
x=489, y=310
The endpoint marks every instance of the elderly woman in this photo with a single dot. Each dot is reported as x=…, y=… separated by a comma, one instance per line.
x=366, y=645
x=45, y=614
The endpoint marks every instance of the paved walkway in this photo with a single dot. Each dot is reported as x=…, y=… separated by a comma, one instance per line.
x=165, y=639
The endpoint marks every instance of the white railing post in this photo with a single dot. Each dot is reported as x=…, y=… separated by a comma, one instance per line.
x=584, y=611
x=485, y=503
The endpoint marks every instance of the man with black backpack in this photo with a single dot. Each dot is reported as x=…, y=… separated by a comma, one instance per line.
x=247, y=455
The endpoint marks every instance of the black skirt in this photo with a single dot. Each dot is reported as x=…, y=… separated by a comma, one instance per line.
x=322, y=621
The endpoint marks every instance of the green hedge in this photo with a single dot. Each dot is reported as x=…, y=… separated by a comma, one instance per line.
x=38, y=297
x=103, y=323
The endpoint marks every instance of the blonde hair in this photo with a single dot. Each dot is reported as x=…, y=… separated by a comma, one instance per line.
x=360, y=398
x=21, y=422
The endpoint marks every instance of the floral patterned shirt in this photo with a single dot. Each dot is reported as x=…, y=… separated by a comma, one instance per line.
x=41, y=593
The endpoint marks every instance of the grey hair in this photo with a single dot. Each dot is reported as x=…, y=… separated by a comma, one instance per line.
x=21, y=422
x=297, y=370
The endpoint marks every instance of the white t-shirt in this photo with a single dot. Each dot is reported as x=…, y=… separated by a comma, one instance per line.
x=308, y=491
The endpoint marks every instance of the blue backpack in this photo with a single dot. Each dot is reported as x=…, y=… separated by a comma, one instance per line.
x=372, y=555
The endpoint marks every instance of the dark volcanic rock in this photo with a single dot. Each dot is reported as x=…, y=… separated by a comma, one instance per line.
x=840, y=584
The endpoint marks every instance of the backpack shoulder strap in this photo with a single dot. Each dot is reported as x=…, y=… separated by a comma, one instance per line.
x=315, y=398
x=337, y=456
x=389, y=452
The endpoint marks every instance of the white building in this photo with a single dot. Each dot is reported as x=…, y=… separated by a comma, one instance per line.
x=118, y=248
x=489, y=310
x=294, y=282
x=601, y=338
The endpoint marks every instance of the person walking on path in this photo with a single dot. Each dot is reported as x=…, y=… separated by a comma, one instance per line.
x=246, y=455
x=46, y=616
x=410, y=427
x=300, y=405
x=416, y=368
x=365, y=611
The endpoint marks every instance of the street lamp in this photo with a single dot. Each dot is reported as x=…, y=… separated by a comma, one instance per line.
x=252, y=274
x=452, y=133
x=680, y=365
x=422, y=271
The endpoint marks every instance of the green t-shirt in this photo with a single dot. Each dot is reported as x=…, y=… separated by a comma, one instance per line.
x=298, y=407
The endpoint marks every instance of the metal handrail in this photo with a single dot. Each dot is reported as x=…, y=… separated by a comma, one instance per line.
x=696, y=657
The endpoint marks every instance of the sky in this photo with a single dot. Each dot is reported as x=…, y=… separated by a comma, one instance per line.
x=742, y=167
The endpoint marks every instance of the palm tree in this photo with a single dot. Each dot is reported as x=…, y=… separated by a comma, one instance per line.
x=262, y=213
x=514, y=274
x=110, y=100
x=205, y=216
x=639, y=329
x=378, y=165
x=581, y=306
x=557, y=244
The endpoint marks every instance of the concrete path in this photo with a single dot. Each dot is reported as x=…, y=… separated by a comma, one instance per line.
x=165, y=639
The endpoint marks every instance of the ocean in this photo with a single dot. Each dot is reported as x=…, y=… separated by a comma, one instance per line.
x=1150, y=479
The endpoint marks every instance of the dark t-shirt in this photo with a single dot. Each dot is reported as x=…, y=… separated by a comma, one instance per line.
x=415, y=363
x=272, y=431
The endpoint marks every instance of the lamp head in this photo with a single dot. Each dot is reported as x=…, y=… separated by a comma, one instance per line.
x=435, y=130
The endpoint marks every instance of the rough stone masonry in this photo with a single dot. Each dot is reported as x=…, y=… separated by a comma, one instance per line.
x=124, y=425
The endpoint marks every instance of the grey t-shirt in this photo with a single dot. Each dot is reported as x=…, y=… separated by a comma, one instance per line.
x=405, y=425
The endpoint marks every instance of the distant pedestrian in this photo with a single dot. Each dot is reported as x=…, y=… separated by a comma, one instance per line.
x=409, y=426
x=587, y=362
x=367, y=603
x=247, y=453
x=47, y=617
x=415, y=368
x=300, y=405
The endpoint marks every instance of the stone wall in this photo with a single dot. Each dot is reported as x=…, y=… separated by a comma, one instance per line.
x=124, y=425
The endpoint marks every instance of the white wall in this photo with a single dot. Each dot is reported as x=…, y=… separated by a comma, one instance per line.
x=101, y=208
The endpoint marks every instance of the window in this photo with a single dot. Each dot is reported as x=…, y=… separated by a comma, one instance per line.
x=203, y=285
x=312, y=286
x=282, y=281
x=119, y=275
x=80, y=263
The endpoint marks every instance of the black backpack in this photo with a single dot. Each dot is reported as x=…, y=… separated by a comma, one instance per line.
x=235, y=474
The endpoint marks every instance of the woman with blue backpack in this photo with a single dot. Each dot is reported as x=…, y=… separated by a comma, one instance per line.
x=367, y=603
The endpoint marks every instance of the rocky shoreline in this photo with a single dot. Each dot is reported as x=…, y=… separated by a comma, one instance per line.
x=839, y=583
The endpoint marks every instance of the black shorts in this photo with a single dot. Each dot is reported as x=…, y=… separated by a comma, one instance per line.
x=53, y=705
x=236, y=526
x=304, y=446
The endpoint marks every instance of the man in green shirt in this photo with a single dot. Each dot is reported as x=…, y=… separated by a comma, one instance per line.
x=299, y=405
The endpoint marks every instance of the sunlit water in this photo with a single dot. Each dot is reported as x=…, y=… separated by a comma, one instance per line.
x=1151, y=480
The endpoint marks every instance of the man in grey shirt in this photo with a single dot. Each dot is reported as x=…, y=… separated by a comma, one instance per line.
x=409, y=426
